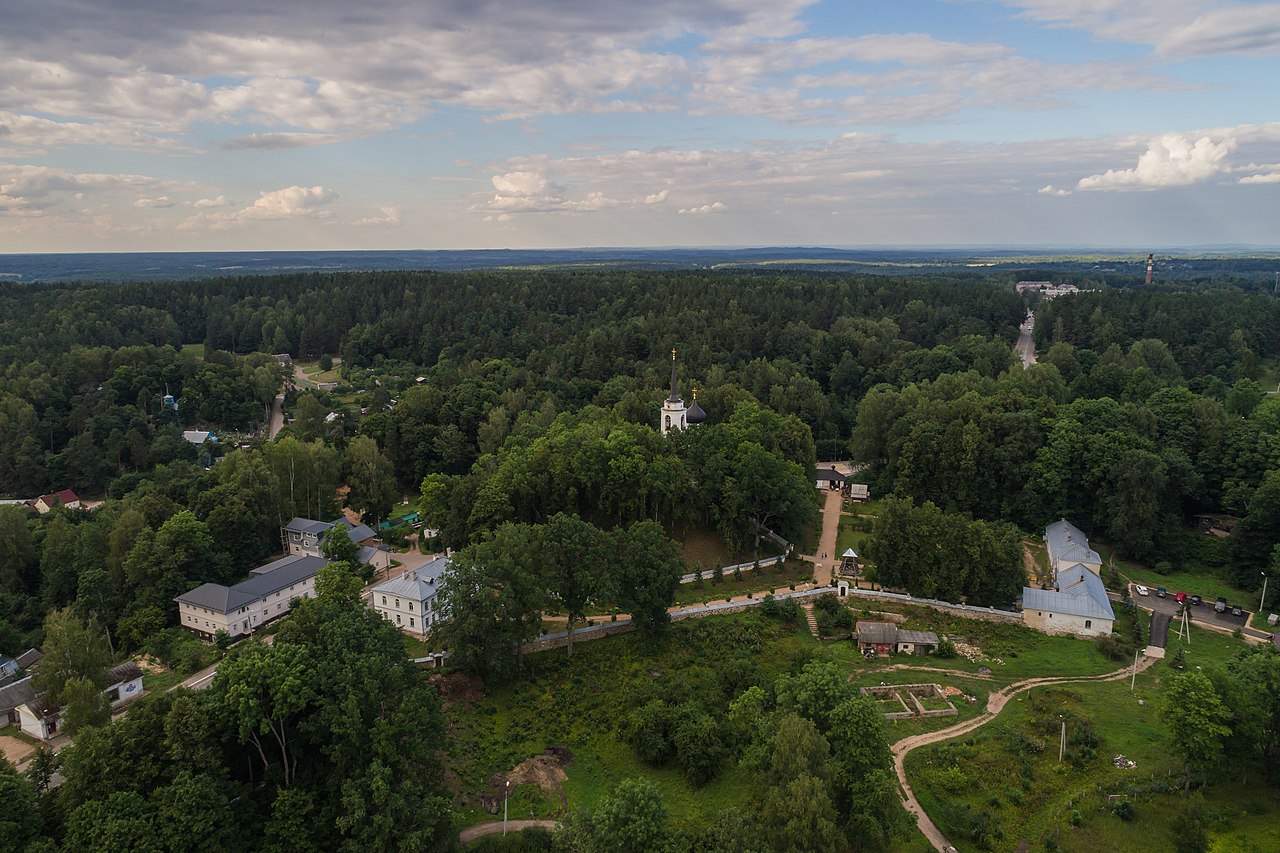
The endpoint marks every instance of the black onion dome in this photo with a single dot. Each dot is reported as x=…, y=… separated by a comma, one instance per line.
x=695, y=415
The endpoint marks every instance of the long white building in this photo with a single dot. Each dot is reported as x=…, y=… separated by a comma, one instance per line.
x=1077, y=604
x=240, y=609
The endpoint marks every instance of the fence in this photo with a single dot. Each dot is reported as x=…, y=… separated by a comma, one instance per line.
x=706, y=574
x=989, y=613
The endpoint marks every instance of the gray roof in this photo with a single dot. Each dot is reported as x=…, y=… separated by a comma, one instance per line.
x=126, y=671
x=361, y=532
x=307, y=525
x=419, y=584
x=828, y=474
x=224, y=599
x=877, y=632
x=30, y=658
x=919, y=638
x=1080, y=593
x=1067, y=544
x=17, y=693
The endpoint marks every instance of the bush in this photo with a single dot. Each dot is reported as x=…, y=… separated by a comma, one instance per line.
x=1115, y=647
x=1164, y=567
x=1076, y=817
x=1123, y=810
x=221, y=640
x=946, y=648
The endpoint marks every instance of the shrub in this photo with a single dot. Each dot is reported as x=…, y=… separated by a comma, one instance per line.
x=946, y=648
x=1179, y=659
x=1076, y=817
x=1114, y=647
x=1164, y=567
x=1123, y=810
x=222, y=640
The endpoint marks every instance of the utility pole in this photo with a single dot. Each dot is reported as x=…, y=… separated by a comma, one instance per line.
x=505, y=795
x=1134, y=678
x=1262, y=605
x=1062, y=743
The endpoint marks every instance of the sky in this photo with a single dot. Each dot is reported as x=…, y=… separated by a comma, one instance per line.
x=203, y=125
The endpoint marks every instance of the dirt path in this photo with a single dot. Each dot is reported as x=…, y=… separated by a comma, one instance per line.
x=277, y=417
x=494, y=827
x=1025, y=346
x=995, y=704
x=824, y=561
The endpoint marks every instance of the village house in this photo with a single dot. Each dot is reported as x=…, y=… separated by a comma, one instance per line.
x=304, y=536
x=410, y=601
x=66, y=498
x=886, y=638
x=39, y=717
x=1077, y=603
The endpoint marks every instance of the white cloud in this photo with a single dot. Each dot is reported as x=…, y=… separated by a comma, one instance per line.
x=1174, y=160
x=713, y=207
x=219, y=201
x=26, y=188
x=158, y=201
x=656, y=198
x=273, y=141
x=1050, y=189
x=289, y=203
x=390, y=216
x=1266, y=178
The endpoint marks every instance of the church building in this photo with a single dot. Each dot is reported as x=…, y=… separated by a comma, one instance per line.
x=674, y=414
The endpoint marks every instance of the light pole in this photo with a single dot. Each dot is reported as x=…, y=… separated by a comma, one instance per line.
x=1134, y=678
x=505, y=794
x=1062, y=744
x=1262, y=605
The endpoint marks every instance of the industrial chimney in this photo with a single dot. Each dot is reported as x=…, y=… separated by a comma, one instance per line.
x=1151, y=263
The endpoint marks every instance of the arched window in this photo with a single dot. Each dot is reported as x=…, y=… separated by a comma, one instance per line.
x=668, y=421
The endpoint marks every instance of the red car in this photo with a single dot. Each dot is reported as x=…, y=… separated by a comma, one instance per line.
x=1181, y=598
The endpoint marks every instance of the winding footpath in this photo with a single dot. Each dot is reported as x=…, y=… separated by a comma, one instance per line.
x=995, y=704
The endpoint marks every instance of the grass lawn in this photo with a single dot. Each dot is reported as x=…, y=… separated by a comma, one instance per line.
x=159, y=682
x=311, y=369
x=700, y=545
x=767, y=578
x=871, y=508
x=848, y=537
x=17, y=733
x=1004, y=783
x=415, y=647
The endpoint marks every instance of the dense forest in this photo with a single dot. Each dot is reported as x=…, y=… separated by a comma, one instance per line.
x=518, y=410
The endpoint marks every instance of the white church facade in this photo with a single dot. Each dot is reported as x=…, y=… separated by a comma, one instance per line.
x=675, y=416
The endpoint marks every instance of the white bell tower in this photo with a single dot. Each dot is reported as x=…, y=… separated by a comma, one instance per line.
x=674, y=414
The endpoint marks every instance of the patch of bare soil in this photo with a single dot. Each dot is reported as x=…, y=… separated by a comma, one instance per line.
x=15, y=750
x=147, y=663
x=457, y=687
x=546, y=771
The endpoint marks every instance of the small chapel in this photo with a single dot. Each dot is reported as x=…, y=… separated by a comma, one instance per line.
x=674, y=414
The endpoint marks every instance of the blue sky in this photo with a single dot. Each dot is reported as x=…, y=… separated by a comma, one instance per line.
x=298, y=124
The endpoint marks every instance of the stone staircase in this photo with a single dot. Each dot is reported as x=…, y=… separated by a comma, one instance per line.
x=812, y=620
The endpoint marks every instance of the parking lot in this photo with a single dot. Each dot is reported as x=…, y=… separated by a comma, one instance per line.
x=1202, y=613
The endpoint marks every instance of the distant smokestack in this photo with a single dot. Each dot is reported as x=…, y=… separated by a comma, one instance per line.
x=1151, y=264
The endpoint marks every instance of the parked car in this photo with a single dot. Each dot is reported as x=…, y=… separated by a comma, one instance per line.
x=1220, y=605
x=1195, y=599
x=1236, y=611
x=1181, y=598
x=1160, y=592
x=1141, y=590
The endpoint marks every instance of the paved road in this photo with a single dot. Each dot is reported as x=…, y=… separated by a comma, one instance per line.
x=1025, y=346
x=1204, y=614
x=277, y=417
x=995, y=704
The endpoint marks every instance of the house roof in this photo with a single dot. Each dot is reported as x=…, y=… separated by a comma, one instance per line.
x=224, y=599
x=876, y=632
x=1067, y=544
x=307, y=525
x=30, y=658
x=919, y=638
x=419, y=584
x=197, y=436
x=66, y=496
x=361, y=532
x=1080, y=593
x=127, y=671
x=16, y=693
x=828, y=474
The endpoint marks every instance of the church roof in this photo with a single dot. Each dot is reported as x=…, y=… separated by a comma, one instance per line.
x=696, y=415
x=675, y=391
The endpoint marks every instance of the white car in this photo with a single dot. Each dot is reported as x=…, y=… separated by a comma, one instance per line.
x=1141, y=590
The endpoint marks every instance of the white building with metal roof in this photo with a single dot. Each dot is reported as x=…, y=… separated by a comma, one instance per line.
x=1078, y=602
x=240, y=609
x=410, y=601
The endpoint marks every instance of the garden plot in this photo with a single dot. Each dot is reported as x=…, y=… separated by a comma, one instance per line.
x=910, y=701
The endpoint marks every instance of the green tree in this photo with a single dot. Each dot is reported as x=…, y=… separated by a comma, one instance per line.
x=799, y=817
x=1196, y=719
x=74, y=648
x=337, y=546
x=266, y=689
x=371, y=478
x=83, y=705
x=646, y=573
x=574, y=554
x=17, y=550
x=632, y=819
x=122, y=821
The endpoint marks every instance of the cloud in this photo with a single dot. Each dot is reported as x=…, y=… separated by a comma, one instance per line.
x=27, y=189
x=1177, y=28
x=656, y=198
x=290, y=203
x=1174, y=160
x=390, y=216
x=1266, y=178
x=219, y=201
x=713, y=207
x=1050, y=189
x=273, y=141
x=158, y=201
